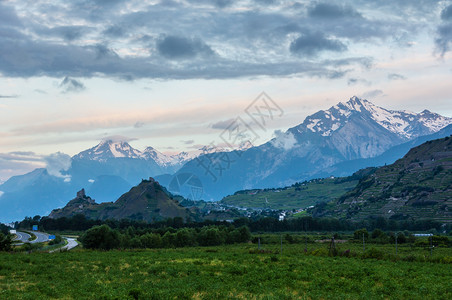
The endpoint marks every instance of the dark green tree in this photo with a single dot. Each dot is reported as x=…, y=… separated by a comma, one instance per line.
x=100, y=237
x=5, y=242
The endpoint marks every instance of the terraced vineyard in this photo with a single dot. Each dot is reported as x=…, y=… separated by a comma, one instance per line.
x=298, y=196
x=418, y=186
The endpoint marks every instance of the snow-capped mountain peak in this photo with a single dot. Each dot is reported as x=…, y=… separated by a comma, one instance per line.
x=405, y=124
x=109, y=149
x=160, y=158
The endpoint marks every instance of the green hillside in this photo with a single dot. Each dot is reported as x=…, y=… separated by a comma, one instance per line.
x=298, y=196
x=147, y=201
x=418, y=186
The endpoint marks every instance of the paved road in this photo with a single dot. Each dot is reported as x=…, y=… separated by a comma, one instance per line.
x=71, y=243
x=23, y=237
x=43, y=237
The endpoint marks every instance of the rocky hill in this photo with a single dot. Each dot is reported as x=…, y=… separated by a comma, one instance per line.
x=418, y=186
x=147, y=201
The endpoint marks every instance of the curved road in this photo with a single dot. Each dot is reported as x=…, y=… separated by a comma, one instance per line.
x=23, y=237
x=71, y=243
x=43, y=237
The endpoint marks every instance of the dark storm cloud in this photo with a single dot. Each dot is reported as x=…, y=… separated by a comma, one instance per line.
x=311, y=44
x=446, y=13
x=70, y=85
x=176, y=47
x=328, y=10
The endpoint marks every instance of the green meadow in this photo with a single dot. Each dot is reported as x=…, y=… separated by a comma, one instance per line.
x=240, y=271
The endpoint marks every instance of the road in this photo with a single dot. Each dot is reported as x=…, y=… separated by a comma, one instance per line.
x=43, y=237
x=71, y=243
x=23, y=237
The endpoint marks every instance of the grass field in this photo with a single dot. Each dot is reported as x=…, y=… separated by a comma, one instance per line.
x=235, y=271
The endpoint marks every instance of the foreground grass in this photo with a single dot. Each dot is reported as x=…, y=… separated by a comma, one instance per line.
x=216, y=272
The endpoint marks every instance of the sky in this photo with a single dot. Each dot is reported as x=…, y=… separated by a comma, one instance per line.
x=174, y=74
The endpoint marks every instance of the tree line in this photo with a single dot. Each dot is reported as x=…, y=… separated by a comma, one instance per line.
x=267, y=224
x=105, y=238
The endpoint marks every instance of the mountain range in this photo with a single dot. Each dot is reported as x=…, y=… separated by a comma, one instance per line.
x=337, y=141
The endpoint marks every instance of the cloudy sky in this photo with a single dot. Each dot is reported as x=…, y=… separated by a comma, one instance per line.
x=172, y=74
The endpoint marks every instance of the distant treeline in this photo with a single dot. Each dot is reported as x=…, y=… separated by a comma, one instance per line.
x=105, y=238
x=268, y=224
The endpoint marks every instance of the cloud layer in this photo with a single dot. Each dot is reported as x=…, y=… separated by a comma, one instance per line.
x=203, y=39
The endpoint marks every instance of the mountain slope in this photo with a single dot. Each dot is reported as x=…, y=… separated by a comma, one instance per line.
x=35, y=193
x=418, y=186
x=148, y=202
x=348, y=131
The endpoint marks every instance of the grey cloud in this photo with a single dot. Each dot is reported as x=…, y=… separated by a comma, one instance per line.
x=354, y=81
x=223, y=3
x=118, y=138
x=68, y=33
x=56, y=163
x=188, y=142
x=139, y=124
x=222, y=124
x=311, y=44
x=235, y=43
x=26, y=156
x=216, y=3
x=176, y=47
x=8, y=16
x=329, y=11
x=443, y=41
x=8, y=96
x=115, y=31
x=71, y=85
x=394, y=76
x=283, y=140
x=372, y=94
x=446, y=13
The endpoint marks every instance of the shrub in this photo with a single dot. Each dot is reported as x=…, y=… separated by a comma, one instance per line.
x=358, y=234
x=373, y=253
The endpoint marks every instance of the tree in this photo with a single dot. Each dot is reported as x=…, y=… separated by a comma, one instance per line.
x=100, y=237
x=358, y=234
x=377, y=233
x=242, y=234
x=5, y=242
